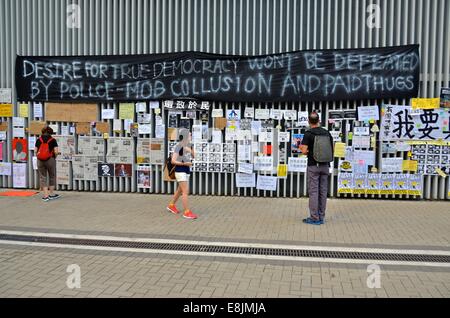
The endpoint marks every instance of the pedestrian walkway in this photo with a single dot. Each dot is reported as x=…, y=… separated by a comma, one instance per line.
x=36, y=271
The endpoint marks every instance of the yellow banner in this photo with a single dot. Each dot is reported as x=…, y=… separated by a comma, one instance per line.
x=126, y=111
x=425, y=103
x=282, y=171
x=410, y=165
x=23, y=110
x=339, y=149
x=6, y=110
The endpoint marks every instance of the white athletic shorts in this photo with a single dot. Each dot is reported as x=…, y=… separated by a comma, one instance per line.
x=181, y=176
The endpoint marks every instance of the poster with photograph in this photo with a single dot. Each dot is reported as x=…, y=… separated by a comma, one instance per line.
x=296, y=143
x=122, y=170
x=144, y=177
x=20, y=150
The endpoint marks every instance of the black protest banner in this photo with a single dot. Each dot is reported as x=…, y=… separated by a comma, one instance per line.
x=313, y=75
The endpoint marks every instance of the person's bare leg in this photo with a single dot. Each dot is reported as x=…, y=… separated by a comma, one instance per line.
x=185, y=189
x=51, y=189
x=176, y=195
x=45, y=192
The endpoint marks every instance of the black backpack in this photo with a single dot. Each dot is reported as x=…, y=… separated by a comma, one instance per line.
x=323, y=148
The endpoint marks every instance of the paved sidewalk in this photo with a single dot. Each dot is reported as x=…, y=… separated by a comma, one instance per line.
x=349, y=222
x=30, y=271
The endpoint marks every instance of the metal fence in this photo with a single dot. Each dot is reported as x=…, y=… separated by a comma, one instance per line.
x=40, y=27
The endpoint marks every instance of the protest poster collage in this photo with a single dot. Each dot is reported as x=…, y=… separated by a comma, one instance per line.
x=378, y=149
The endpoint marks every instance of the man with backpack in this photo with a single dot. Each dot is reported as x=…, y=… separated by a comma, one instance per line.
x=46, y=149
x=317, y=143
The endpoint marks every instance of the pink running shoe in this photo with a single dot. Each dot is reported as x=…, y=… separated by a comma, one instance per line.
x=189, y=215
x=173, y=209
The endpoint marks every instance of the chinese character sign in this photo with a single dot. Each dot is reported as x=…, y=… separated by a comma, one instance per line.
x=404, y=123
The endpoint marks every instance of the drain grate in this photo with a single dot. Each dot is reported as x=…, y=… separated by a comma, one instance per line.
x=220, y=249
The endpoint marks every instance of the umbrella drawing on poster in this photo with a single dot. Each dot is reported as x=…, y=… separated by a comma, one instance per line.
x=105, y=170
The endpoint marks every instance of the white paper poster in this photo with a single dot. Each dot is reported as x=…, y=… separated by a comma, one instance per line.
x=303, y=118
x=249, y=112
x=217, y=113
x=5, y=168
x=263, y=163
x=154, y=104
x=120, y=150
x=336, y=135
x=37, y=110
x=267, y=183
x=290, y=114
x=19, y=132
x=19, y=175
x=62, y=172
x=245, y=168
x=5, y=95
x=361, y=131
x=140, y=107
x=18, y=121
x=244, y=152
x=402, y=146
x=262, y=113
x=361, y=141
x=391, y=164
x=265, y=136
x=368, y=156
x=244, y=180
x=31, y=142
x=66, y=147
x=2, y=135
x=144, y=129
x=108, y=113
x=65, y=131
x=256, y=127
x=367, y=113
x=284, y=136
x=298, y=164
x=35, y=166
x=160, y=131
x=276, y=114
x=216, y=136
x=197, y=133
x=117, y=125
